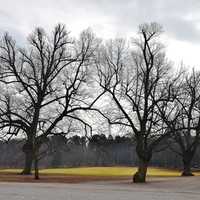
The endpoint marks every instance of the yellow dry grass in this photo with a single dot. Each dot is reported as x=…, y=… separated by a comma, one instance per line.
x=103, y=171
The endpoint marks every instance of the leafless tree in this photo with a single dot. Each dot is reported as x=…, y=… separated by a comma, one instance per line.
x=47, y=84
x=182, y=116
x=136, y=79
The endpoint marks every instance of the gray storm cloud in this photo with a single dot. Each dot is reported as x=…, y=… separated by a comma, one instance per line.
x=180, y=18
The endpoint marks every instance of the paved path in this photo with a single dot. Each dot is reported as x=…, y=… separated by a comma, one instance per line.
x=156, y=189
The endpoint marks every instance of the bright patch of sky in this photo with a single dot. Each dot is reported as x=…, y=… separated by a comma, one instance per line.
x=111, y=18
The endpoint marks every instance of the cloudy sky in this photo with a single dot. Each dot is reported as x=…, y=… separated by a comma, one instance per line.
x=111, y=18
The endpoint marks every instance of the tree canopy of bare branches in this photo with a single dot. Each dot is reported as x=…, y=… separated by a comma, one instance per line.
x=46, y=85
x=182, y=117
x=136, y=79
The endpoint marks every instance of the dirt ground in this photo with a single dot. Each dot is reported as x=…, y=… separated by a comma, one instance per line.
x=8, y=177
x=177, y=188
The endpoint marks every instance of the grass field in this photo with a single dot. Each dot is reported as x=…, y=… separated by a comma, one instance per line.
x=102, y=171
x=85, y=174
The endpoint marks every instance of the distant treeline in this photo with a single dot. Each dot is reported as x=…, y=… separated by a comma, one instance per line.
x=99, y=150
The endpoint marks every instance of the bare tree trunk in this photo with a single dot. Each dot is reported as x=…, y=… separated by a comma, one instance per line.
x=36, y=174
x=140, y=175
x=28, y=151
x=36, y=170
x=187, y=159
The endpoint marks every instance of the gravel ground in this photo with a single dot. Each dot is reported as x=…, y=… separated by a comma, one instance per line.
x=156, y=189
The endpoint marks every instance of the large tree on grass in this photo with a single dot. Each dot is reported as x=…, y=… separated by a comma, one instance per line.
x=136, y=79
x=182, y=116
x=50, y=80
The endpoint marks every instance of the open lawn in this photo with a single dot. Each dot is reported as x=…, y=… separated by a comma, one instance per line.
x=85, y=174
x=109, y=171
x=102, y=171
